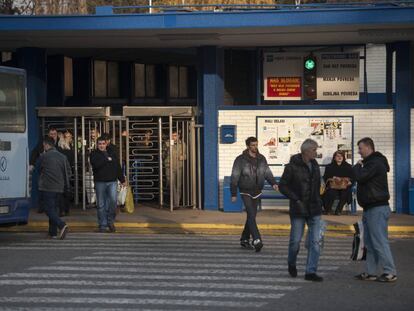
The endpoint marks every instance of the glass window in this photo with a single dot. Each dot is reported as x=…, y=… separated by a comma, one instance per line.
x=139, y=80
x=113, y=79
x=12, y=103
x=150, y=81
x=99, y=74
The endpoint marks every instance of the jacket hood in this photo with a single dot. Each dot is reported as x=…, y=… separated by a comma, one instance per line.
x=378, y=156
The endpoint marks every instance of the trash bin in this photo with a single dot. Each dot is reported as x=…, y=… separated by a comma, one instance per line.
x=411, y=197
x=228, y=205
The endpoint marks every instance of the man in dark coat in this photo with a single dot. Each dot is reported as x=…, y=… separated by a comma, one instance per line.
x=301, y=182
x=106, y=172
x=373, y=195
x=53, y=179
x=250, y=170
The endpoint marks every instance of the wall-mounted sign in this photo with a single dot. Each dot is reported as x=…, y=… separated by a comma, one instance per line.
x=337, y=76
x=284, y=87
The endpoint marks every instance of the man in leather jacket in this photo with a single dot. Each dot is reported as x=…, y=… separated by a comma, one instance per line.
x=301, y=182
x=250, y=170
x=373, y=196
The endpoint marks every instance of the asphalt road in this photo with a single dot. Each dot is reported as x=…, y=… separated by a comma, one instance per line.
x=92, y=271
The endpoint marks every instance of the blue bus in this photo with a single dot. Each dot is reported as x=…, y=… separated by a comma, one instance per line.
x=14, y=170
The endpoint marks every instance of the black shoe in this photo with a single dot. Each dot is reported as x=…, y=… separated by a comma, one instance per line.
x=63, y=232
x=365, y=277
x=313, y=277
x=112, y=228
x=258, y=245
x=292, y=271
x=387, y=278
x=246, y=244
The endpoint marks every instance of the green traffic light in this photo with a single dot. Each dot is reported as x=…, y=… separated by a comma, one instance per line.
x=310, y=64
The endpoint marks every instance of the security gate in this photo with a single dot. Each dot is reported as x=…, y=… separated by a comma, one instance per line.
x=86, y=124
x=162, y=155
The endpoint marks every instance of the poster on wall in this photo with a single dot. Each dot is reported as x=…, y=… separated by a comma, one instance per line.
x=281, y=137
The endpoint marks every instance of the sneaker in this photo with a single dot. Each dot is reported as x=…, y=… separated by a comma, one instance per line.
x=292, y=271
x=258, y=245
x=313, y=277
x=51, y=237
x=365, y=277
x=63, y=232
x=102, y=230
x=246, y=244
x=112, y=228
x=387, y=278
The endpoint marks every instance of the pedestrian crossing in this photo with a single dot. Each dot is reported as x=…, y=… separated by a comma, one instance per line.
x=159, y=272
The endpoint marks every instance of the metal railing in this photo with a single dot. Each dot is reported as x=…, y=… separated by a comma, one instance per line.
x=194, y=8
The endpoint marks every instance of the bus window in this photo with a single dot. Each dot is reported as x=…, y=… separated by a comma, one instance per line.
x=12, y=103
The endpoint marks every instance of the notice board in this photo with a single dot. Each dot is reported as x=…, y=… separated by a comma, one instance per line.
x=281, y=137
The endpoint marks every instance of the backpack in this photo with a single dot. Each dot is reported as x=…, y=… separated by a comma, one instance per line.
x=359, y=251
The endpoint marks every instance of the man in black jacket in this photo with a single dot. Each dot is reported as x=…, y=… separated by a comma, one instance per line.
x=301, y=182
x=250, y=170
x=106, y=172
x=373, y=196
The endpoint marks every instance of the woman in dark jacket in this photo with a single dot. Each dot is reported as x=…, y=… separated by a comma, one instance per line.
x=338, y=178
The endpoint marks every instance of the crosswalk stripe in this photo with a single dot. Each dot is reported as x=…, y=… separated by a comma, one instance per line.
x=239, y=259
x=153, y=277
x=204, y=285
x=146, y=292
x=170, y=270
x=132, y=301
x=208, y=247
x=176, y=250
x=175, y=264
x=240, y=254
x=31, y=308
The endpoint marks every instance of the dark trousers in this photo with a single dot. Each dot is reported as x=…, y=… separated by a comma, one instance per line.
x=331, y=195
x=250, y=228
x=50, y=203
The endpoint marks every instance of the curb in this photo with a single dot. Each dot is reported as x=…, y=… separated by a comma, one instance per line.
x=209, y=228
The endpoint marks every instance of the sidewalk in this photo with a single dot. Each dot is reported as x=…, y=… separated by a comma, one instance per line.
x=147, y=219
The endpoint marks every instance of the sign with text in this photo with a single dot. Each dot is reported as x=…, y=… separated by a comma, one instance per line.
x=338, y=76
x=284, y=86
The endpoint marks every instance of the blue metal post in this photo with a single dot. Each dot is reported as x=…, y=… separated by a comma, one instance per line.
x=402, y=124
x=211, y=96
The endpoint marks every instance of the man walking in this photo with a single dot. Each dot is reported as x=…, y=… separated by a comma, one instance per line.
x=106, y=172
x=54, y=178
x=300, y=182
x=250, y=170
x=373, y=196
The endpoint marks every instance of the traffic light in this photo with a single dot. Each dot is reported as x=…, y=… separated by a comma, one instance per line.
x=309, y=76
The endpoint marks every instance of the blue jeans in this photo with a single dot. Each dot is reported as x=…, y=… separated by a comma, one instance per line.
x=106, y=196
x=379, y=253
x=50, y=205
x=296, y=234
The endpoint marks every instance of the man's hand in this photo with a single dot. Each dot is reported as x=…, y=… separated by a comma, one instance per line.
x=360, y=163
x=31, y=168
x=125, y=183
x=276, y=187
x=109, y=159
x=233, y=199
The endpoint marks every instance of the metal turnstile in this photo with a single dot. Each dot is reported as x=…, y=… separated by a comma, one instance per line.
x=163, y=155
x=86, y=124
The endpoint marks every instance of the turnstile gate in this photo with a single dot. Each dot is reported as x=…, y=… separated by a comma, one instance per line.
x=163, y=155
x=158, y=149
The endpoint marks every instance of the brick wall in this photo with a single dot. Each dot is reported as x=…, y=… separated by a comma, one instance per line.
x=376, y=123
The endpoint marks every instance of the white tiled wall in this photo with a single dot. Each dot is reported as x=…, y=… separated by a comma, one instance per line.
x=375, y=123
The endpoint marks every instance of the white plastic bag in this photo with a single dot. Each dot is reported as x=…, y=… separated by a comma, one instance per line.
x=122, y=193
